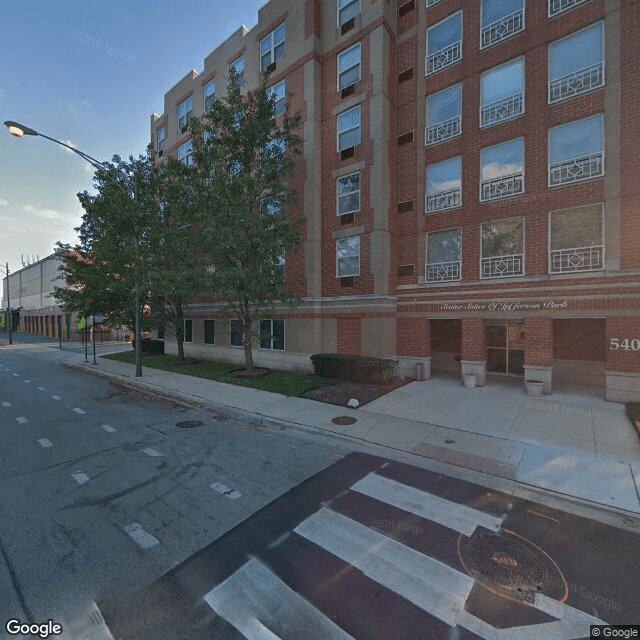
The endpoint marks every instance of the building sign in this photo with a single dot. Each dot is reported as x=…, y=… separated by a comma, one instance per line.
x=514, y=305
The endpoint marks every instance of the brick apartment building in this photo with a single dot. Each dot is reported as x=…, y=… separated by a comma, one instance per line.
x=469, y=183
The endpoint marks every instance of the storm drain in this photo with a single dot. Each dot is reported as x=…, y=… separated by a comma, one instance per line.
x=344, y=420
x=513, y=563
x=189, y=424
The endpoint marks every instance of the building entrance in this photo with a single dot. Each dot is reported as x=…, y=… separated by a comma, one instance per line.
x=505, y=347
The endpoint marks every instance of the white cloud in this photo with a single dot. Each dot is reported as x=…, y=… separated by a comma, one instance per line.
x=3, y=202
x=46, y=214
x=71, y=144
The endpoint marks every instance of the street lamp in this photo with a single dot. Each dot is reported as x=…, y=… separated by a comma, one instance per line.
x=18, y=130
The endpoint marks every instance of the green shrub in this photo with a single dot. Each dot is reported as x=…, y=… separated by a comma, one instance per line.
x=354, y=368
x=152, y=346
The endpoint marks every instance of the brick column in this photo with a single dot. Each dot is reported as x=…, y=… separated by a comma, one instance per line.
x=538, y=351
x=413, y=345
x=623, y=363
x=349, y=338
x=474, y=349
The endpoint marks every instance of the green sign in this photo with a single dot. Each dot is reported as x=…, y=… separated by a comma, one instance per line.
x=82, y=324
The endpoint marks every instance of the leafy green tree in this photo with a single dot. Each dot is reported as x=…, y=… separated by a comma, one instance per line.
x=243, y=156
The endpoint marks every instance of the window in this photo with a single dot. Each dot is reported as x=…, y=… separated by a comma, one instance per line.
x=209, y=94
x=209, y=332
x=185, y=153
x=184, y=113
x=501, y=19
x=279, y=93
x=576, y=151
x=502, y=170
x=444, y=256
x=275, y=151
x=444, y=43
x=502, y=248
x=160, y=138
x=236, y=334
x=558, y=6
x=502, y=93
x=349, y=129
x=349, y=67
x=272, y=334
x=444, y=115
x=347, y=10
x=576, y=239
x=272, y=47
x=444, y=185
x=188, y=330
x=238, y=68
x=576, y=63
x=349, y=194
x=348, y=257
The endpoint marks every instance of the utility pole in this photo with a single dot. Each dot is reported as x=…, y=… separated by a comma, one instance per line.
x=9, y=318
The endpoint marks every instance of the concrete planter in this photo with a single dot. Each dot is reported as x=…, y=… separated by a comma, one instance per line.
x=534, y=387
x=469, y=380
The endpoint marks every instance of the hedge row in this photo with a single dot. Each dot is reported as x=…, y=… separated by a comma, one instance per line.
x=354, y=368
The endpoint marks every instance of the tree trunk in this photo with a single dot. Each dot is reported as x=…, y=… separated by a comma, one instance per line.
x=246, y=341
x=180, y=349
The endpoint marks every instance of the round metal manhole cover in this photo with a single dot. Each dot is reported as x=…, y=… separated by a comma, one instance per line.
x=344, y=420
x=512, y=562
x=189, y=424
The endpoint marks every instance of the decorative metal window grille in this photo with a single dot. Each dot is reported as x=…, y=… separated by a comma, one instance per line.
x=580, y=81
x=442, y=271
x=444, y=130
x=431, y=3
x=502, y=266
x=445, y=57
x=502, y=29
x=576, y=169
x=558, y=6
x=444, y=200
x=579, y=259
x=502, y=187
x=501, y=110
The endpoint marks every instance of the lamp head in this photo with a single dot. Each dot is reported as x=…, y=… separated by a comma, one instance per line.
x=18, y=130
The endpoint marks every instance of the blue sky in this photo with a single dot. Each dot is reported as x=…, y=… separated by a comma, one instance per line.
x=89, y=73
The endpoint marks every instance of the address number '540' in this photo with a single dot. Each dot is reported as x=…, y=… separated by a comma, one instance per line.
x=626, y=344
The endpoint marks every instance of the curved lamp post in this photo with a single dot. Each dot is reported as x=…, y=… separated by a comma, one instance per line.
x=18, y=130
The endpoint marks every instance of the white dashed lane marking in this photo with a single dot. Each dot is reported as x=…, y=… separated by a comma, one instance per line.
x=41, y=389
x=45, y=442
x=140, y=536
x=56, y=397
x=6, y=404
x=107, y=428
x=21, y=420
x=80, y=477
x=80, y=411
x=225, y=490
x=17, y=375
x=152, y=452
x=28, y=381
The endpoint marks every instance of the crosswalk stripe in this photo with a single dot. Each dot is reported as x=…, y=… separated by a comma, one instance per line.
x=453, y=515
x=262, y=607
x=426, y=582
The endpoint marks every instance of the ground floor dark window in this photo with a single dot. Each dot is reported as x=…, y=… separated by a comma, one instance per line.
x=236, y=333
x=209, y=332
x=188, y=330
x=272, y=334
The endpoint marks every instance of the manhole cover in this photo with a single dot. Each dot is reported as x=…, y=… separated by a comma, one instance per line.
x=344, y=420
x=512, y=562
x=189, y=424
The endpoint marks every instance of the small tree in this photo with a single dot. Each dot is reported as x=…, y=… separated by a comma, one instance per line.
x=242, y=158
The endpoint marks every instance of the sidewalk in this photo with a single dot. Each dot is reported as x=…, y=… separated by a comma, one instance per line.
x=572, y=442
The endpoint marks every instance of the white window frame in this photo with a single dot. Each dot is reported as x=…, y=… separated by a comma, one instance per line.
x=160, y=140
x=345, y=4
x=591, y=250
x=205, y=96
x=348, y=275
x=521, y=256
x=507, y=37
x=449, y=267
x=338, y=196
x=240, y=76
x=586, y=70
x=358, y=64
x=456, y=59
x=507, y=195
x=428, y=195
x=359, y=127
x=514, y=96
x=271, y=334
x=185, y=109
x=452, y=126
x=186, y=149
x=282, y=101
x=569, y=4
x=273, y=45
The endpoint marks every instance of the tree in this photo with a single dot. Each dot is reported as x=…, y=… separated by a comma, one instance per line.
x=242, y=157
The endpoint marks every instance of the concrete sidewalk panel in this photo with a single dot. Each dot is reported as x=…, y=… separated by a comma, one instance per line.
x=430, y=409
x=488, y=418
x=476, y=444
x=399, y=434
x=596, y=479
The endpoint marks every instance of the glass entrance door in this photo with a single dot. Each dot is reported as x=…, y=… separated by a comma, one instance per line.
x=505, y=347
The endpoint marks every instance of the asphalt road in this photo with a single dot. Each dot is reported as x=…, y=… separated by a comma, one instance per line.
x=100, y=490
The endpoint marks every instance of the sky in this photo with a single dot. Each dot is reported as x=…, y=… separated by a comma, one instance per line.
x=90, y=74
